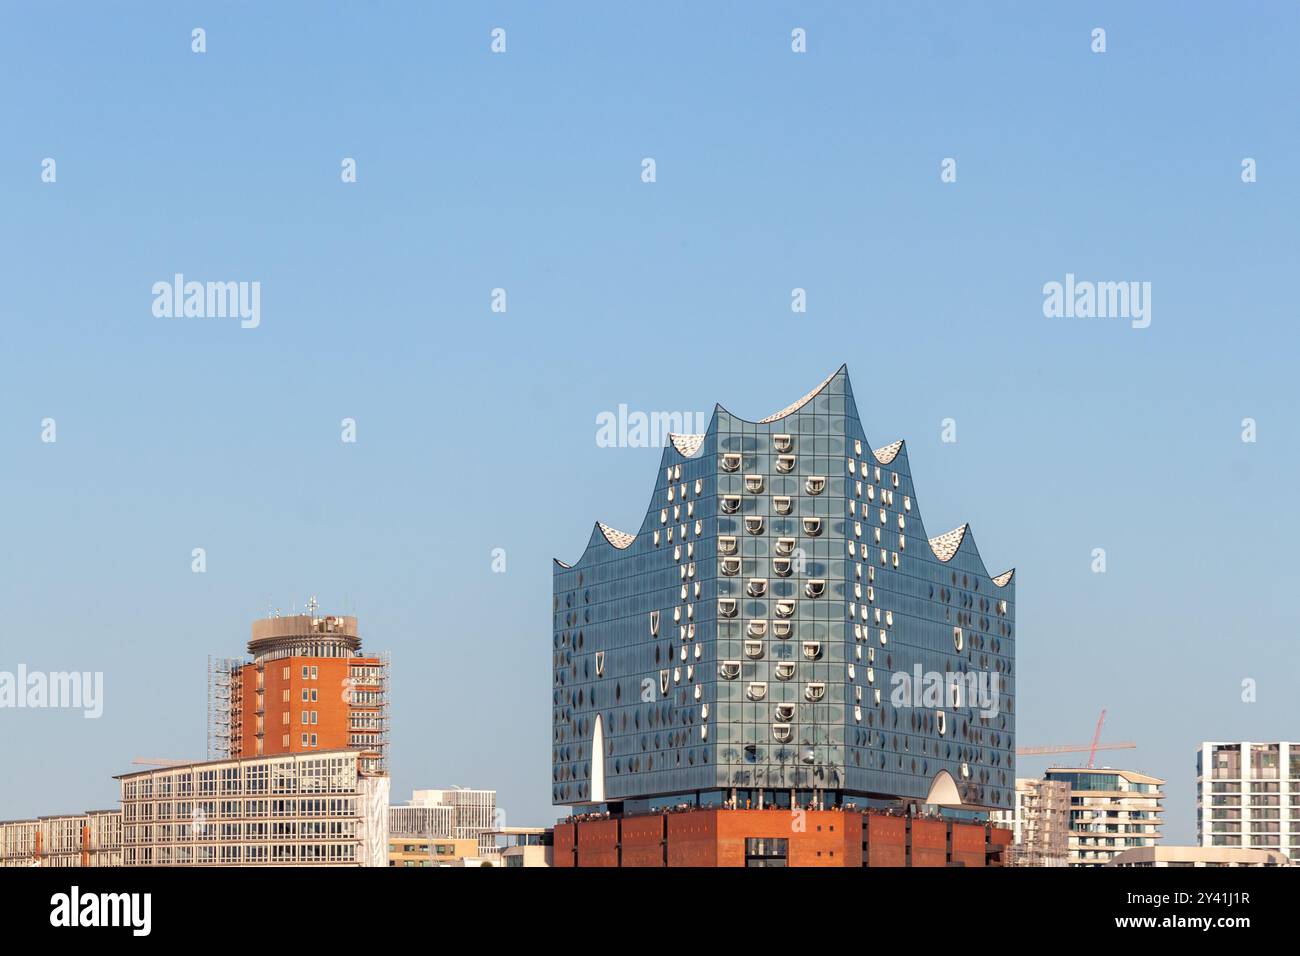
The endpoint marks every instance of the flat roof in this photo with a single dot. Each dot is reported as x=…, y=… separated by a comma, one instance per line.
x=230, y=760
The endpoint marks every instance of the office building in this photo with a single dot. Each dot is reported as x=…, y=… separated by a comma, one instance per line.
x=93, y=838
x=455, y=813
x=312, y=809
x=423, y=851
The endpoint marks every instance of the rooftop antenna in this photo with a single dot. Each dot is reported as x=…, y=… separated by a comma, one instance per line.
x=311, y=606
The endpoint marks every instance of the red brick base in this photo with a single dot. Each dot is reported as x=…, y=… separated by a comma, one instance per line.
x=712, y=838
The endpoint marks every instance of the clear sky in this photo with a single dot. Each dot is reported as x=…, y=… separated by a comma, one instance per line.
x=477, y=429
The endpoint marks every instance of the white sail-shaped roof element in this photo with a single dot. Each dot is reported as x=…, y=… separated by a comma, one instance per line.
x=946, y=545
x=619, y=539
x=888, y=453
x=688, y=446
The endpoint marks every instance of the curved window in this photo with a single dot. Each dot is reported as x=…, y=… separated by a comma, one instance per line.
x=663, y=682
x=784, y=670
x=857, y=713
x=781, y=733
x=729, y=670
x=754, y=524
x=754, y=650
x=754, y=484
x=785, y=464
x=785, y=609
x=782, y=443
x=726, y=544
x=731, y=462
x=957, y=638
x=654, y=623
x=727, y=607
x=813, y=650
x=781, y=504
x=941, y=722
x=781, y=567
x=785, y=712
x=730, y=504
x=757, y=587
x=815, y=691
x=729, y=566
x=757, y=690
x=814, y=588
x=785, y=547
x=815, y=485
x=757, y=629
x=812, y=527
x=781, y=629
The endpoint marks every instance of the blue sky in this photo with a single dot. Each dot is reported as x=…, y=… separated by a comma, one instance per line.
x=476, y=430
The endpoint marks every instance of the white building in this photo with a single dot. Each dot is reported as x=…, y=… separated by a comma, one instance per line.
x=451, y=814
x=1110, y=811
x=309, y=809
x=1196, y=856
x=1248, y=796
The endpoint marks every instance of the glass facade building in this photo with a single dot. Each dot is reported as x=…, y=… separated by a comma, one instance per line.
x=782, y=628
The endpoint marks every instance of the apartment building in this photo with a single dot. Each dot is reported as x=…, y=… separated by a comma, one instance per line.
x=1110, y=811
x=1248, y=796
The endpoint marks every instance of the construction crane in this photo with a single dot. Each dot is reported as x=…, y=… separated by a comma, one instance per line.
x=1091, y=748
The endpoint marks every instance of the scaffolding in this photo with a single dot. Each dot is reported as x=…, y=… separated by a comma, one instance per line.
x=221, y=671
x=1042, y=824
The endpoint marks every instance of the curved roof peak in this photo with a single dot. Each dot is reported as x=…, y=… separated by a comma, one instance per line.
x=888, y=453
x=791, y=409
x=688, y=446
x=619, y=539
x=1003, y=579
x=945, y=545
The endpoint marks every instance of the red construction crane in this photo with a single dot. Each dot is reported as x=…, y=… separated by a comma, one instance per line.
x=1091, y=748
x=1092, y=754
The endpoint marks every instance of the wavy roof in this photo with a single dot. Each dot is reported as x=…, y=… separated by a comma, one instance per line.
x=791, y=409
x=944, y=546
